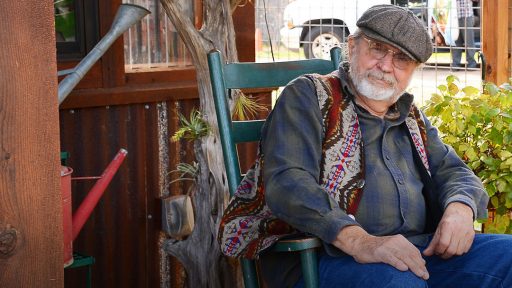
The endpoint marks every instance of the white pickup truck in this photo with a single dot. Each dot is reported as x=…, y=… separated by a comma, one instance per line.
x=319, y=25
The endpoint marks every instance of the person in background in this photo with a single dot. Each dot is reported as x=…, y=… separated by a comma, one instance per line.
x=466, y=40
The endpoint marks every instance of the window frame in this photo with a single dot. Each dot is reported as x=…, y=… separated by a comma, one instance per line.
x=87, y=32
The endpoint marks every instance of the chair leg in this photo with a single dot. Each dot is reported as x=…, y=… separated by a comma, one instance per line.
x=249, y=272
x=309, y=265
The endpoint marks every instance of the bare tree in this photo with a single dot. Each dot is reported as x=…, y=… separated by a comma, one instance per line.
x=200, y=253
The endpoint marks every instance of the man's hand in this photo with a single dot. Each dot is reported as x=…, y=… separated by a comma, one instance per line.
x=393, y=250
x=455, y=232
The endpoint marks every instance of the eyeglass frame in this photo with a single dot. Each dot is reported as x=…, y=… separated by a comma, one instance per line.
x=387, y=50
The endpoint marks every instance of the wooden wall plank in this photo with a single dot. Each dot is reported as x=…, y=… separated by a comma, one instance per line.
x=30, y=198
x=495, y=39
x=113, y=60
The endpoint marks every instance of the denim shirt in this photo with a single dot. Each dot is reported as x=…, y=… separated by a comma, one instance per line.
x=392, y=201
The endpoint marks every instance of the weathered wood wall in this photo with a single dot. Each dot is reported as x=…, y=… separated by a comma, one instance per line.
x=30, y=200
x=111, y=109
x=496, y=24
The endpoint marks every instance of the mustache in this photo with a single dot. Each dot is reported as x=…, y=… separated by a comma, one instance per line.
x=379, y=75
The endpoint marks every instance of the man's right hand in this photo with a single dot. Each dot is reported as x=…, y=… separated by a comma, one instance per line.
x=393, y=250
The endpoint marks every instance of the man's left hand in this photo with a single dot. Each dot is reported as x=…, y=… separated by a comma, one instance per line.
x=455, y=232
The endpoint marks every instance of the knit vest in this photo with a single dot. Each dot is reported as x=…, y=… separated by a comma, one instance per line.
x=249, y=227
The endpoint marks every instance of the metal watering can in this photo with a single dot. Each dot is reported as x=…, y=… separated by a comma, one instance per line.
x=73, y=224
x=126, y=16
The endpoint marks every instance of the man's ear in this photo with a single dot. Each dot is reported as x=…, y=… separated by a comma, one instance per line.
x=351, y=43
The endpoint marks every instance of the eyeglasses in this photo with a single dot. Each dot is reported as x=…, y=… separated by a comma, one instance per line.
x=379, y=51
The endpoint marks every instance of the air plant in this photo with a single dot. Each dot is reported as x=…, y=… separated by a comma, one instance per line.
x=192, y=129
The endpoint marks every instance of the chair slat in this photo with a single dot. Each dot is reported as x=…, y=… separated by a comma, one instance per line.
x=275, y=74
x=247, y=131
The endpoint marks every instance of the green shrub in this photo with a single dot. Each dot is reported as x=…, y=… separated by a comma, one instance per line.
x=478, y=125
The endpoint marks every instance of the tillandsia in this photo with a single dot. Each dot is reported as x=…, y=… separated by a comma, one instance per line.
x=193, y=128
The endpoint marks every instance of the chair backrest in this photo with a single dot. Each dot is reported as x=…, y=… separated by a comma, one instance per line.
x=226, y=76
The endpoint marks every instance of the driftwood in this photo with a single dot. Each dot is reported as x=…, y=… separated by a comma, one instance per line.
x=199, y=253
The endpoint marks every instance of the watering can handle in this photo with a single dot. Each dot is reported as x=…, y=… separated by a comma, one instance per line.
x=84, y=211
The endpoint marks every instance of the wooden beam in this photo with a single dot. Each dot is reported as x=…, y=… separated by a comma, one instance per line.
x=495, y=38
x=30, y=199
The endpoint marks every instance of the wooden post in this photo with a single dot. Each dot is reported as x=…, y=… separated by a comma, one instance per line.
x=495, y=17
x=30, y=201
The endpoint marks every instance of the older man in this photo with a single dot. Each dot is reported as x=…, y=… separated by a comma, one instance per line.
x=349, y=158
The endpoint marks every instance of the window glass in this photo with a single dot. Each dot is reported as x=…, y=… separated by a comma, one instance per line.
x=65, y=20
x=154, y=42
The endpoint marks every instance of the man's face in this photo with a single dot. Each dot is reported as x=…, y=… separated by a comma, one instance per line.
x=379, y=71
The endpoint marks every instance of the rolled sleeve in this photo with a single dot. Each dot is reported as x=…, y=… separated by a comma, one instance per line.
x=453, y=179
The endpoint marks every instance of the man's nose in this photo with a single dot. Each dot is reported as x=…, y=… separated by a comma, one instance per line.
x=386, y=63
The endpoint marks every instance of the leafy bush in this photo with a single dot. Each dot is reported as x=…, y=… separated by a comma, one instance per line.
x=478, y=125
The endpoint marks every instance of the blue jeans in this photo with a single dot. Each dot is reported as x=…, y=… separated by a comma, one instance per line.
x=465, y=42
x=487, y=264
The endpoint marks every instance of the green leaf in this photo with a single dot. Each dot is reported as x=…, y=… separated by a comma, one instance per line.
x=491, y=190
x=451, y=78
x=471, y=154
x=495, y=201
x=492, y=112
x=437, y=98
x=491, y=88
x=470, y=91
x=463, y=147
x=501, y=185
x=496, y=137
x=504, y=154
x=453, y=89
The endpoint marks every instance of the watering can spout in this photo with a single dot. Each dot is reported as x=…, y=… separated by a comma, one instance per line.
x=84, y=211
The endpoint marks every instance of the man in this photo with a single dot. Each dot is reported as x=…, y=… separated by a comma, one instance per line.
x=466, y=39
x=348, y=158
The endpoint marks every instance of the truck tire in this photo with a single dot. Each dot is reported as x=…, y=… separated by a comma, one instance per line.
x=319, y=41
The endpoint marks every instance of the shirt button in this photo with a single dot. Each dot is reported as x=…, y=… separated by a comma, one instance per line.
x=360, y=183
x=400, y=181
x=387, y=157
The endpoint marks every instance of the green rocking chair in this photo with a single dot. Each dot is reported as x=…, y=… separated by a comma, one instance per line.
x=261, y=75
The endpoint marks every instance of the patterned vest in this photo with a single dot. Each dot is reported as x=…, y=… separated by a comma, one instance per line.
x=248, y=226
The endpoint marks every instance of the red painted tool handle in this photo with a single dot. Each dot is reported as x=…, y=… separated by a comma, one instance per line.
x=84, y=211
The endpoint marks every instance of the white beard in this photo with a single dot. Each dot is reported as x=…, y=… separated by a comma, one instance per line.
x=366, y=88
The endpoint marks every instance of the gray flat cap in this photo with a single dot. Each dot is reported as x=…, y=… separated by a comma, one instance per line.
x=398, y=27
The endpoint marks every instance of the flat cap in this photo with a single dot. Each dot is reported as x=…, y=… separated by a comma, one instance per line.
x=398, y=27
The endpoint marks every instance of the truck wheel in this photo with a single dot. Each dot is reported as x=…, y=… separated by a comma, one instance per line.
x=319, y=41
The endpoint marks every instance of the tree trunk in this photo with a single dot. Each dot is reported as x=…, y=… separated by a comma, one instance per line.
x=199, y=253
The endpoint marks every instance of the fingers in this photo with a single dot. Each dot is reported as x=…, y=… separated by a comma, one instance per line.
x=429, y=251
x=416, y=264
x=448, y=242
x=404, y=256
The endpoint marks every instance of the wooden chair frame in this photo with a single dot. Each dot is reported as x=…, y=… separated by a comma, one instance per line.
x=226, y=76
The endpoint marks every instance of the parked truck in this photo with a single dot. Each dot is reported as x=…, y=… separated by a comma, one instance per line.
x=317, y=26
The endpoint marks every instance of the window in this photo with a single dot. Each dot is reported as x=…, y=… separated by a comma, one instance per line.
x=154, y=43
x=75, y=36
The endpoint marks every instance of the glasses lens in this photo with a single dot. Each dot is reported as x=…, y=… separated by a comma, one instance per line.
x=401, y=60
x=378, y=50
